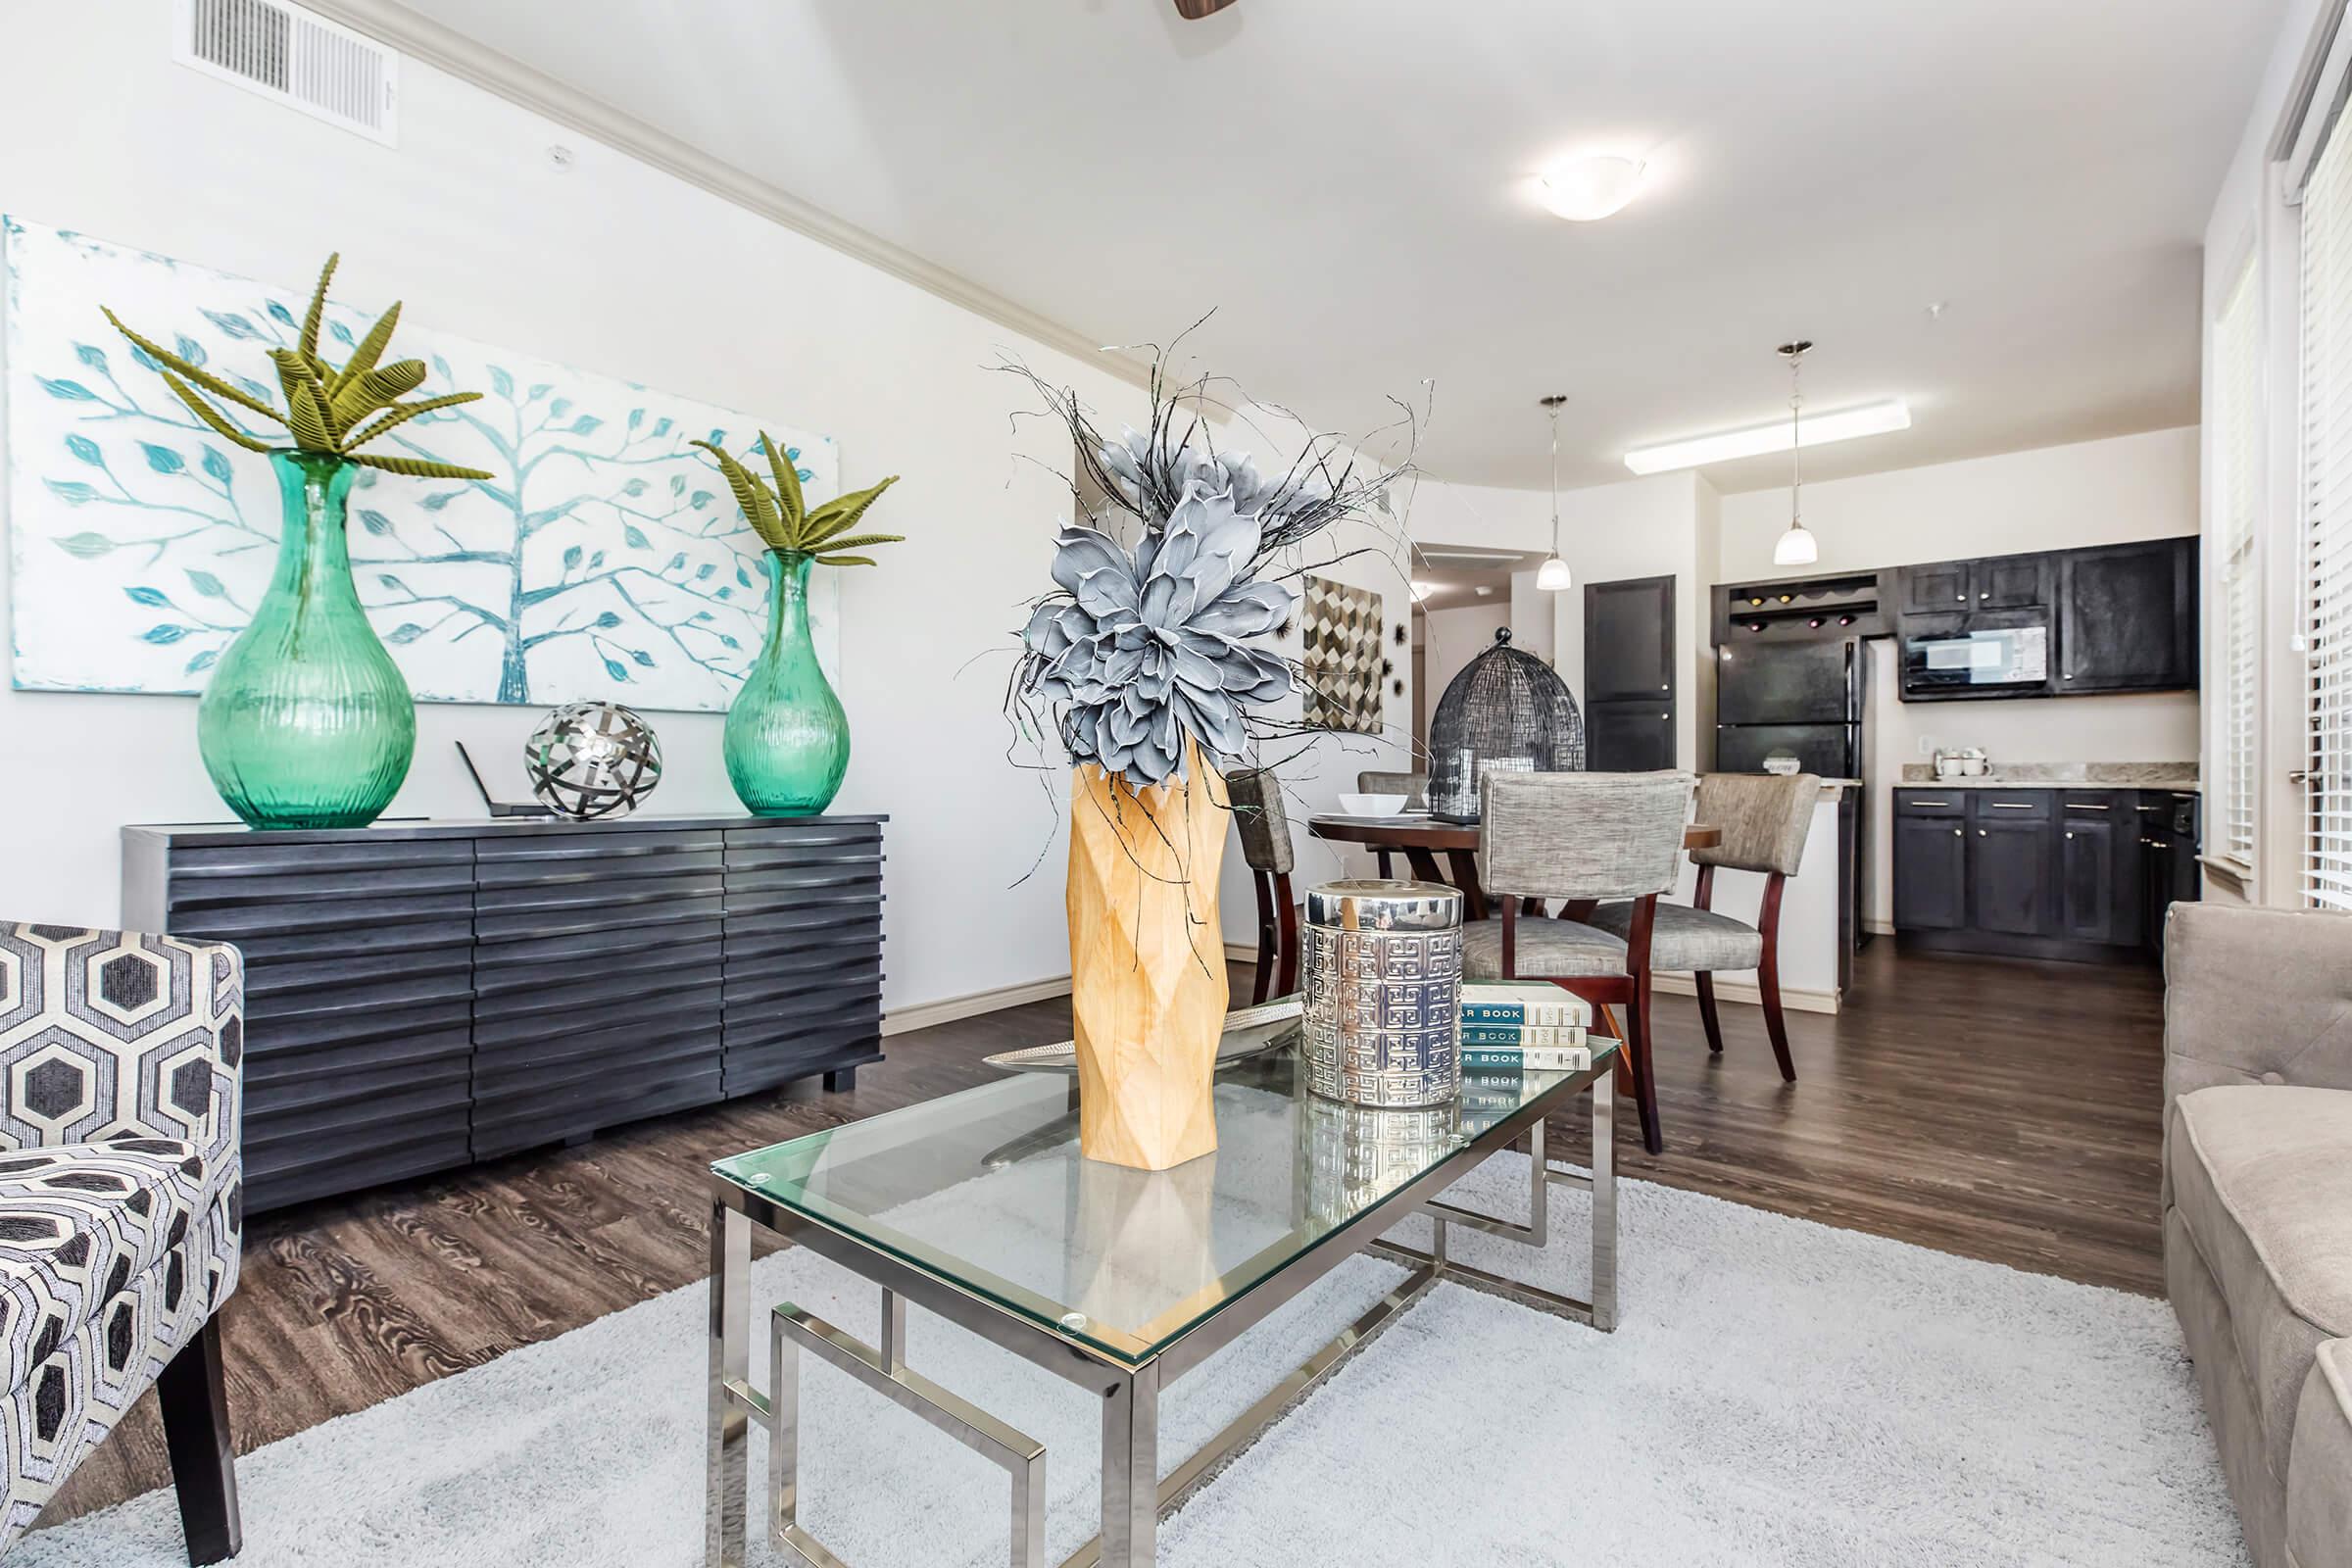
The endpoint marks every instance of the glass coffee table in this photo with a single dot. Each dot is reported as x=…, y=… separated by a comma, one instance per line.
x=979, y=1207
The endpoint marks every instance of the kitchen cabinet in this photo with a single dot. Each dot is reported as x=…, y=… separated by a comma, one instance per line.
x=2119, y=617
x=1930, y=884
x=2077, y=874
x=2128, y=617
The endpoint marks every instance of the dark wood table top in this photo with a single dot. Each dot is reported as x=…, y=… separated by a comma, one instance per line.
x=1419, y=831
x=1421, y=838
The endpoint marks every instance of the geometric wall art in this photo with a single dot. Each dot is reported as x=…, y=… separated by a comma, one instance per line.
x=1341, y=627
x=605, y=557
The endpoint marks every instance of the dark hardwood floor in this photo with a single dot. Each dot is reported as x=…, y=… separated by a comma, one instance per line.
x=2005, y=1110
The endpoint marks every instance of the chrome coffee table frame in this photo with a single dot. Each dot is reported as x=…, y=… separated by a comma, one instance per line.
x=1129, y=1392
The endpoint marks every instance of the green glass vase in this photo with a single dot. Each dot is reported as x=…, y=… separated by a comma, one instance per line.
x=306, y=721
x=788, y=740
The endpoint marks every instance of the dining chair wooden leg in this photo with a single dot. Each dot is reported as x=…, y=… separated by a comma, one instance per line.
x=1768, y=981
x=1261, y=983
x=1285, y=940
x=1706, y=1011
x=1768, y=975
x=1646, y=1082
x=1385, y=874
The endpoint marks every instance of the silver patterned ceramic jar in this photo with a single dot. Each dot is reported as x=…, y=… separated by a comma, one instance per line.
x=1384, y=982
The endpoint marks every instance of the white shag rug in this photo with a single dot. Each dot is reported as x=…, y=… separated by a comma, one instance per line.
x=1779, y=1393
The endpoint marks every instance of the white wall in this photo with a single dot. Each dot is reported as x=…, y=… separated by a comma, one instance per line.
x=616, y=267
x=1457, y=636
x=2053, y=498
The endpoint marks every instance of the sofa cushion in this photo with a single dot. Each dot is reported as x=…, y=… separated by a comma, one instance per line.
x=81, y=1221
x=2319, y=1491
x=2262, y=1176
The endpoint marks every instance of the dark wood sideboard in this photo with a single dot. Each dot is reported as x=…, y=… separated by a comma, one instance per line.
x=424, y=995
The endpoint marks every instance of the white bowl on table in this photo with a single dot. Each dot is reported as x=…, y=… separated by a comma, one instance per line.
x=1372, y=805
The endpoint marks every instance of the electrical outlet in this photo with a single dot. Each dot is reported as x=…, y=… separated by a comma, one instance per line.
x=1927, y=746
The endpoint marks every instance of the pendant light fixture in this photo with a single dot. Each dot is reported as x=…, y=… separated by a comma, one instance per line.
x=1554, y=576
x=1797, y=547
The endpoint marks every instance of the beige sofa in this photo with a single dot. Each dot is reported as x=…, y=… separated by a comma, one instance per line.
x=2258, y=1210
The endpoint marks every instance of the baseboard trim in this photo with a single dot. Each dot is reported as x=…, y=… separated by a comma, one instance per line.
x=947, y=1009
x=1794, y=999
x=1879, y=928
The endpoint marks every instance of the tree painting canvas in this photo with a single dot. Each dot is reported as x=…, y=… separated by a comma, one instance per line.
x=606, y=559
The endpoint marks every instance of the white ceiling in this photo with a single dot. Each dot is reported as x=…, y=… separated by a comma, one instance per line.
x=1343, y=182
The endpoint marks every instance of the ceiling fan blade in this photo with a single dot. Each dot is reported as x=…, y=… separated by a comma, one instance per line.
x=1195, y=10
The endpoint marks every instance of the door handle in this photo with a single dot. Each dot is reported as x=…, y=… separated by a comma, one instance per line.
x=1956, y=833
x=2085, y=805
x=2012, y=806
x=1979, y=832
x=1985, y=596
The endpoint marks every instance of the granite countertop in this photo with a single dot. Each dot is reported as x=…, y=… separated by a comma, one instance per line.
x=2178, y=776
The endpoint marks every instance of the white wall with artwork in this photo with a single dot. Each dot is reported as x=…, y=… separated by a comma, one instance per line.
x=616, y=275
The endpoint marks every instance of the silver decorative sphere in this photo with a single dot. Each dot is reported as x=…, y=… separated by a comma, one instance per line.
x=592, y=760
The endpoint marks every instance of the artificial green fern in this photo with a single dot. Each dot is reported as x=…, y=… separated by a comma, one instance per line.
x=328, y=409
x=781, y=516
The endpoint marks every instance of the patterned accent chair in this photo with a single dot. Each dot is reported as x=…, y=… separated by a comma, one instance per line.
x=1582, y=838
x=120, y=1207
x=1765, y=820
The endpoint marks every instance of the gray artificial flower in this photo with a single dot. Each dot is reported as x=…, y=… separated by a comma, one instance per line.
x=1150, y=647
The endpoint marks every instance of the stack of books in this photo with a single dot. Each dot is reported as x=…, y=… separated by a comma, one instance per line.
x=1523, y=1026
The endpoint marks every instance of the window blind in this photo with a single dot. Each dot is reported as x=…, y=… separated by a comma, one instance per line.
x=2326, y=531
x=2238, y=499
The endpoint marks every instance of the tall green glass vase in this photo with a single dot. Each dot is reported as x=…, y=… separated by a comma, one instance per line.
x=788, y=738
x=308, y=723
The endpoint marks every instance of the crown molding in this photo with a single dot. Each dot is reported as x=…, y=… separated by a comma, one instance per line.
x=421, y=38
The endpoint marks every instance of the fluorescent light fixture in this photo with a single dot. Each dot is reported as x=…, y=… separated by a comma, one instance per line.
x=1583, y=189
x=1872, y=419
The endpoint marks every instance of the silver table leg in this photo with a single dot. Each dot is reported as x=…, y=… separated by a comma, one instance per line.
x=1131, y=1470
x=794, y=1331
x=725, y=1454
x=1604, y=1204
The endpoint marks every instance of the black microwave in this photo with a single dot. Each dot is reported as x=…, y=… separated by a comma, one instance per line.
x=1983, y=659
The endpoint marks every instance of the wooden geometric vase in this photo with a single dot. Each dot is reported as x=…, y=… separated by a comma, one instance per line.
x=1148, y=986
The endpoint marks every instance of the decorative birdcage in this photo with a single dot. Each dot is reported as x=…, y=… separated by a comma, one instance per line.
x=1506, y=711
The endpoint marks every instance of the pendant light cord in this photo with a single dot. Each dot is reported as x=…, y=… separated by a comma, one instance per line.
x=1555, y=480
x=1797, y=403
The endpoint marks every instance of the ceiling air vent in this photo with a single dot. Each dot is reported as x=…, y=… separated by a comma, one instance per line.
x=284, y=53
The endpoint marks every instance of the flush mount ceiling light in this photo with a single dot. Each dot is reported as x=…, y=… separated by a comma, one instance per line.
x=1583, y=189
x=1422, y=590
x=1554, y=576
x=1797, y=547
x=1872, y=419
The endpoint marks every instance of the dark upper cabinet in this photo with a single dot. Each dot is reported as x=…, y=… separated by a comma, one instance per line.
x=2009, y=582
x=1938, y=589
x=1629, y=675
x=1931, y=873
x=2128, y=617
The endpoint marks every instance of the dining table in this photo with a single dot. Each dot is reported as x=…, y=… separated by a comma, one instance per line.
x=1422, y=838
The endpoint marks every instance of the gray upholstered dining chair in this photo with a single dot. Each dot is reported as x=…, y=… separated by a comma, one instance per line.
x=1580, y=838
x=1764, y=821
x=1414, y=787
x=1266, y=829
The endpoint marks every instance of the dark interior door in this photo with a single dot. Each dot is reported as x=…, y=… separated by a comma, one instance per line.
x=1629, y=675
